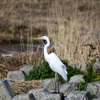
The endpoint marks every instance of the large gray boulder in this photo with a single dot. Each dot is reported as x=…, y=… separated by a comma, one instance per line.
x=77, y=79
x=50, y=84
x=79, y=95
x=16, y=75
x=69, y=87
x=38, y=93
x=94, y=88
x=5, y=91
x=24, y=96
x=50, y=96
x=27, y=69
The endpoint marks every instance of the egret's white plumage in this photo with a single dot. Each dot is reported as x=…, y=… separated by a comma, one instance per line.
x=53, y=60
x=57, y=66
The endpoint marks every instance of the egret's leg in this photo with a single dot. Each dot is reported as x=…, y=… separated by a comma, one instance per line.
x=58, y=82
x=58, y=86
x=55, y=80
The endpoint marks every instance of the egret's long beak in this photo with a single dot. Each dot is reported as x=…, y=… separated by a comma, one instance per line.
x=38, y=38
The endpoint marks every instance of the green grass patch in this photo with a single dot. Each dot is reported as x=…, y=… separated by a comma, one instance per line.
x=82, y=86
x=92, y=74
x=94, y=96
x=40, y=72
x=43, y=72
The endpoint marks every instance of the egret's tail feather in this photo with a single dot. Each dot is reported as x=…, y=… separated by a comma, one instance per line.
x=65, y=77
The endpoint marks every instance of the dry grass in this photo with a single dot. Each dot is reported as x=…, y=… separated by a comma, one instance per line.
x=25, y=86
x=73, y=22
x=18, y=60
x=66, y=22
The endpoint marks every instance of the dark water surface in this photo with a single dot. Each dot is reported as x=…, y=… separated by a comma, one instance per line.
x=8, y=49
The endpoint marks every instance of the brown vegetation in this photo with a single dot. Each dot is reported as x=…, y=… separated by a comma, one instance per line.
x=18, y=60
x=70, y=24
x=76, y=34
x=25, y=86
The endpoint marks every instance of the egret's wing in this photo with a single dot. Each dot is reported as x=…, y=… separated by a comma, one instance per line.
x=56, y=58
x=57, y=65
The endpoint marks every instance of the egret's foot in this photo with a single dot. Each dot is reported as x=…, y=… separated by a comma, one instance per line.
x=55, y=86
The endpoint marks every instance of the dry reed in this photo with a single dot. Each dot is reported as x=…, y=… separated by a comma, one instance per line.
x=72, y=28
x=68, y=24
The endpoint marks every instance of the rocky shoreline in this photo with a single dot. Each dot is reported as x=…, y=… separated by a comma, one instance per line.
x=68, y=91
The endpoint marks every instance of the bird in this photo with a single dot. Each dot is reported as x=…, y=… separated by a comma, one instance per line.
x=54, y=62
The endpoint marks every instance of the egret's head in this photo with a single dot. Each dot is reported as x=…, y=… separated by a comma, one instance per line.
x=43, y=38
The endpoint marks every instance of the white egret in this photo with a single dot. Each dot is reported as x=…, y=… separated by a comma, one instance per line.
x=54, y=62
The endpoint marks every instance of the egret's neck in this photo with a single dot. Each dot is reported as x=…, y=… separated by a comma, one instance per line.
x=45, y=49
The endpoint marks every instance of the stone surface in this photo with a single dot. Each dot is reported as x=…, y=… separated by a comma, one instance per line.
x=50, y=84
x=77, y=79
x=24, y=96
x=50, y=96
x=11, y=81
x=97, y=64
x=38, y=93
x=17, y=75
x=5, y=91
x=79, y=95
x=81, y=66
x=94, y=88
x=68, y=87
x=27, y=69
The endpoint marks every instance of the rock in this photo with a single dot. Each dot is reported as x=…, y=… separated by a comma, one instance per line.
x=5, y=91
x=50, y=84
x=11, y=81
x=26, y=69
x=97, y=67
x=79, y=95
x=81, y=66
x=97, y=99
x=77, y=79
x=16, y=75
x=38, y=93
x=94, y=88
x=25, y=96
x=50, y=96
x=97, y=64
x=68, y=87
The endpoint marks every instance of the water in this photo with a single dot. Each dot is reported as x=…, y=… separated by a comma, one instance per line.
x=8, y=49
